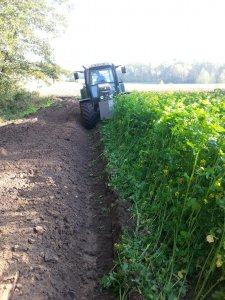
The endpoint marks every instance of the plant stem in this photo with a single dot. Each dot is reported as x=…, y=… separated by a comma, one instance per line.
x=212, y=264
x=189, y=184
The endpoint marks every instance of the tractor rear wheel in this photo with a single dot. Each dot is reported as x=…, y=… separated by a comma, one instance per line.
x=88, y=114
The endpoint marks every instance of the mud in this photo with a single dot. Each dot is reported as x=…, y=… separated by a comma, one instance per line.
x=55, y=226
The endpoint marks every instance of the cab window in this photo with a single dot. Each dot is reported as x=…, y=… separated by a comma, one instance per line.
x=101, y=76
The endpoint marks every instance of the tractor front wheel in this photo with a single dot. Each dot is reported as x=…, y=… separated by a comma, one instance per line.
x=88, y=114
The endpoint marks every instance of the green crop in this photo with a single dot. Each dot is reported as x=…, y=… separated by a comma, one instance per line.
x=166, y=155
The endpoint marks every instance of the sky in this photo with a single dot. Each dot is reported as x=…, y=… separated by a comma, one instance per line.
x=142, y=31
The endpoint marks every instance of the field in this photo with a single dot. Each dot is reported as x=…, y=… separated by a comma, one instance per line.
x=166, y=156
x=73, y=88
x=55, y=236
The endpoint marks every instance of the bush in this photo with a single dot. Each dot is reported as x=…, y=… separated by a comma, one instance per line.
x=16, y=102
x=166, y=154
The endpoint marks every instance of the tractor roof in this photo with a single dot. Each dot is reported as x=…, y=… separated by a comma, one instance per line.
x=99, y=65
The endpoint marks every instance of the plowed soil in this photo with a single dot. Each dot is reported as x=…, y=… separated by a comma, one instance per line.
x=55, y=228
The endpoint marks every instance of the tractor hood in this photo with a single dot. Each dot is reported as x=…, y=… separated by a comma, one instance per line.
x=95, y=89
x=105, y=92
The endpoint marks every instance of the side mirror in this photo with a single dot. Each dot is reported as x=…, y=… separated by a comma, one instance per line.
x=76, y=76
x=123, y=69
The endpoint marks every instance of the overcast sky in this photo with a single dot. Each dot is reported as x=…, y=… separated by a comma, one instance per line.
x=124, y=31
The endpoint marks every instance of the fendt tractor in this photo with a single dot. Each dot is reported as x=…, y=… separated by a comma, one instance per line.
x=102, y=83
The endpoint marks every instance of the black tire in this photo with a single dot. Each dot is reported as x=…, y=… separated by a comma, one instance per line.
x=88, y=114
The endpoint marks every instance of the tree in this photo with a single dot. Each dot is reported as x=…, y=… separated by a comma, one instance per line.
x=203, y=76
x=221, y=78
x=25, y=29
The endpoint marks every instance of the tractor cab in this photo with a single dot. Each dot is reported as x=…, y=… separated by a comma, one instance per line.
x=101, y=84
x=98, y=77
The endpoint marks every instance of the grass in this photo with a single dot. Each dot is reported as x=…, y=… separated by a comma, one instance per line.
x=166, y=155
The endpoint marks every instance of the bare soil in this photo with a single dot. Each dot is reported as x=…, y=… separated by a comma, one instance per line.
x=55, y=226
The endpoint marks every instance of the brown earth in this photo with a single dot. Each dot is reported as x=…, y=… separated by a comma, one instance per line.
x=55, y=228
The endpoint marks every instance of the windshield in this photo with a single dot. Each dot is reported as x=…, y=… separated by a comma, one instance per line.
x=101, y=76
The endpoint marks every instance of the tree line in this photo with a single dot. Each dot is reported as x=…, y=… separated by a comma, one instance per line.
x=176, y=72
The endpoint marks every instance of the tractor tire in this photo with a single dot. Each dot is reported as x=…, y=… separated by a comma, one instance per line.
x=88, y=114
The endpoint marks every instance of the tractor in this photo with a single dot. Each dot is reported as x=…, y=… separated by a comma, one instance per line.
x=102, y=83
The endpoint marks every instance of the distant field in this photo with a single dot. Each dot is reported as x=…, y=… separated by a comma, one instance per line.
x=73, y=88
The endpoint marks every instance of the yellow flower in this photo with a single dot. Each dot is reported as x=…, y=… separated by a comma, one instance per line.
x=165, y=172
x=218, y=196
x=177, y=194
x=205, y=102
x=202, y=162
x=210, y=238
x=181, y=274
x=219, y=261
x=217, y=183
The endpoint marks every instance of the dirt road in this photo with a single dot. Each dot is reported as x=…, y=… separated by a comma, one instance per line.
x=55, y=229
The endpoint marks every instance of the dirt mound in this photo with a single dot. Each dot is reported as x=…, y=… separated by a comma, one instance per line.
x=55, y=228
